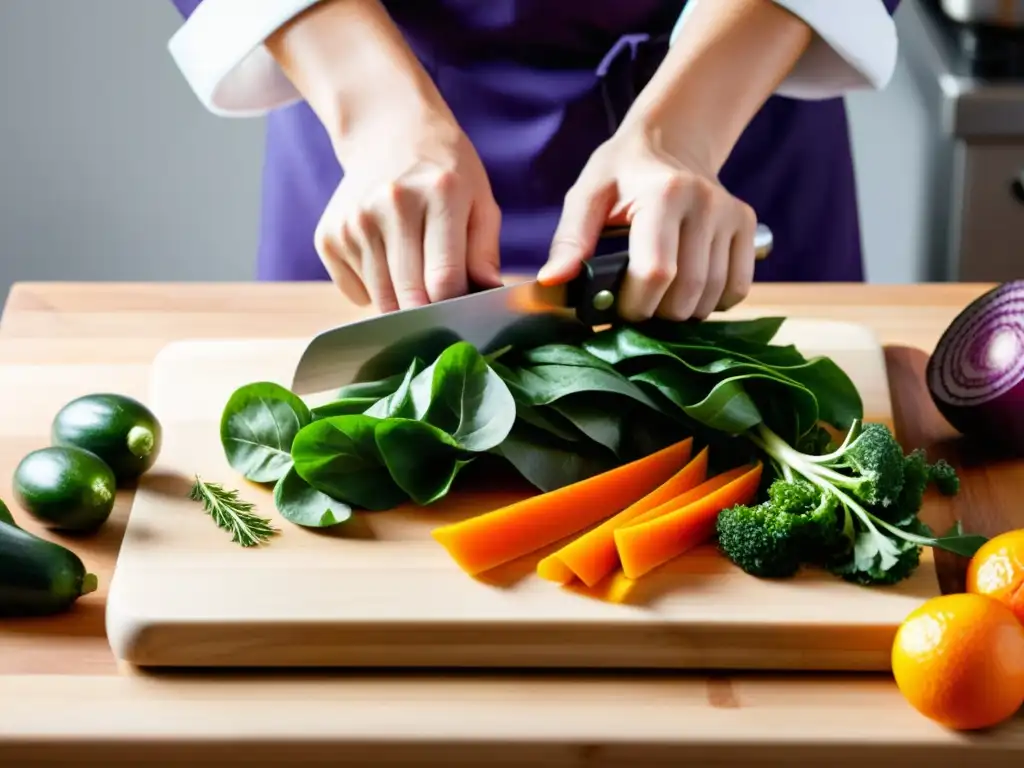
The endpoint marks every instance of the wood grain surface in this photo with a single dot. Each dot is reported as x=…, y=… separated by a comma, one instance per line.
x=379, y=592
x=63, y=701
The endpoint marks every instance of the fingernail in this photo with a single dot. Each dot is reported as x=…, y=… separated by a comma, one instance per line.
x=558, y=263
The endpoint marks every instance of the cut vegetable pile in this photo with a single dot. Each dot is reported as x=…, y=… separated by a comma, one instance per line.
x=642, y=441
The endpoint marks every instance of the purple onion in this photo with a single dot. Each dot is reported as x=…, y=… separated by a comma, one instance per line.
x=976, y=374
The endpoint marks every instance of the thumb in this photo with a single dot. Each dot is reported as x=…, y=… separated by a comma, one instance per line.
x=483, y=262
x=584, y=216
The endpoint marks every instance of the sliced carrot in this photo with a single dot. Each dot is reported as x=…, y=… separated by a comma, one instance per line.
x=645, y=544
x=492, y=539
x=592, y=556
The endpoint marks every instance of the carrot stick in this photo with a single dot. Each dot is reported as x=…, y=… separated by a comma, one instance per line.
x=647, y=543
x=592, y=556
x=492, y=539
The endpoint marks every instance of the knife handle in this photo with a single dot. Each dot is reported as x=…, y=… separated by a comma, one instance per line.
x=594, y=291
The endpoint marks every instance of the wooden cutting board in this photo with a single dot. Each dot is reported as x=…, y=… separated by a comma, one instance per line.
x=379, y=591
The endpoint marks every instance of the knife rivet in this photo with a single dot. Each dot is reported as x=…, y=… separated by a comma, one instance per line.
x=603, y=300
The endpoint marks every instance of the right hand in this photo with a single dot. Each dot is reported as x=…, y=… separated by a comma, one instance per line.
x=414, y=220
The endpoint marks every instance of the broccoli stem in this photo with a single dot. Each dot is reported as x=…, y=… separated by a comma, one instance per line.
x=789, y=457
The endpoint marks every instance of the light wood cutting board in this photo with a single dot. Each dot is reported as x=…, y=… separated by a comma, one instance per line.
x=379, y=591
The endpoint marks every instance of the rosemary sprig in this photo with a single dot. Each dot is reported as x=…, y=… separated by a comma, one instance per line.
x=232, y=514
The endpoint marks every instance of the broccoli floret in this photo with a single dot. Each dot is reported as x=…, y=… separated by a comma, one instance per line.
x=856, y=507
x=869, y=464
x=762, y=540
x=945, y=478
x=797, y=525
x=916, y=475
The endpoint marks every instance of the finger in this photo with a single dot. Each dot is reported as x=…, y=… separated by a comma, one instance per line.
x=444, y=243
x=696, y=236
x=374, y=264
x=403, y=218
x=717, y=274
x=340, y=272
x=653, y=249
x=483, y=255
x=742, y=262
x=584, y=215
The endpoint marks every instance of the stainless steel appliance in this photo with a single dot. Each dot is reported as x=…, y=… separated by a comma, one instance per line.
x=970, y=75
x=1005, y=13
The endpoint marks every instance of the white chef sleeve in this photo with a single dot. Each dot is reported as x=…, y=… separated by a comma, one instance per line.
x=221, y=54
x=854, y=47
x=220, y=51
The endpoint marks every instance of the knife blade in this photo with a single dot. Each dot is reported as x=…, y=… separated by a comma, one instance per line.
x=383, y=345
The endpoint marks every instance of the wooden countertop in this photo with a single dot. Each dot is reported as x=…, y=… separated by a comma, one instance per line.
x=62, y=696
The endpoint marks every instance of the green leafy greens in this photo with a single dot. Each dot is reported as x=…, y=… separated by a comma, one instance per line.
x=559, y=402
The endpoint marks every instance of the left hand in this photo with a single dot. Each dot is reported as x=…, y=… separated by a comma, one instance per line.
x=691, y=243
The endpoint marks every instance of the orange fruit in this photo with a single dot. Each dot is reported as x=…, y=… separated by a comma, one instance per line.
x=959, y=660
x=997, y=570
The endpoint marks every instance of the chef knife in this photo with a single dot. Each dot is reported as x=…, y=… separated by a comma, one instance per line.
x=383, y=345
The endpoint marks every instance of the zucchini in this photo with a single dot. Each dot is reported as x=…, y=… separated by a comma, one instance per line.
x=117, y=428
x=65, y=488
x=38, y=577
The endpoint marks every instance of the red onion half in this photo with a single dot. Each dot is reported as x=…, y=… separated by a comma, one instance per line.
x=976, y=374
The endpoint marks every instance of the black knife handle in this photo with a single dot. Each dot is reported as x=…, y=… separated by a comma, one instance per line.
x=594, y=292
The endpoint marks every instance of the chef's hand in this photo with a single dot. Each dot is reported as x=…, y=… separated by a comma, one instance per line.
x=691, y=243
x=413, y=220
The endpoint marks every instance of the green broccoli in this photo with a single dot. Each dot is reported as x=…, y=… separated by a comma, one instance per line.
x=852, y=511
x=945, y=478
x=796, y=526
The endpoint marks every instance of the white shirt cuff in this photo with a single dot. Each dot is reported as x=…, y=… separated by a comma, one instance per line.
x=854, y=47
x=220, y=51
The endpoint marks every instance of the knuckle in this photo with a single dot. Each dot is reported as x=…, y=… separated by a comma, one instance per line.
x=658, y=273
x=442, y=281
x=675, y=188
x=445, y=183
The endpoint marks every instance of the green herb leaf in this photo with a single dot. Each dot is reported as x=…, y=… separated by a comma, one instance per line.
x=339, y=457
x=422, y=459
x=257, y=428
x=232, y=514
x=302, y=504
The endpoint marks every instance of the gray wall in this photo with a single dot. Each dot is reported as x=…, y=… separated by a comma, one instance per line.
x=110, y=169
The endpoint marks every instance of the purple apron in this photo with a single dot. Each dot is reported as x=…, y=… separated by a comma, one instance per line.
x=538, y=86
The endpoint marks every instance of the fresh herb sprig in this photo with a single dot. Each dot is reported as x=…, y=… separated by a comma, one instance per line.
x=232, y=514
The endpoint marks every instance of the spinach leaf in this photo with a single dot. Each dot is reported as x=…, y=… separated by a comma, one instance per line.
x=345, y=406
x=380, y=388
x=300, y=503
x=466, y=399
x=544, y=384
x=839, y=402
x=257, y=428
x=599, y=416
x=422, y=459
x=339, y=457
x=548, y=463
x=724, y=406
x=398, y=402
x=759, y=331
